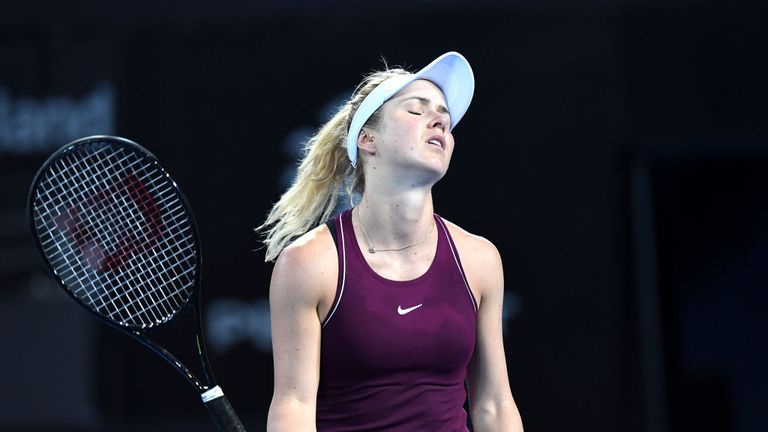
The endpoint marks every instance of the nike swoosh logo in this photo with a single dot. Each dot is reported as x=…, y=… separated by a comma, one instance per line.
x=402, y=311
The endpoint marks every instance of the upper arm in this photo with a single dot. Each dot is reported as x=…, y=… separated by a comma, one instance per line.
x=491, y=402
x=300, y=283
x=488, y=371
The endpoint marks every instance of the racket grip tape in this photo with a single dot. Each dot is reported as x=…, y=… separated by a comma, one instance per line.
x=221, y=411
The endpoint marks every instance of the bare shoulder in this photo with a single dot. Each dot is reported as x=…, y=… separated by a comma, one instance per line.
x=307, y=268
x=308, y=249
x=479, y=257
x=465, y=241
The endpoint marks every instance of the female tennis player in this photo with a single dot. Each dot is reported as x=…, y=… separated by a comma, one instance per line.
x=386, y=317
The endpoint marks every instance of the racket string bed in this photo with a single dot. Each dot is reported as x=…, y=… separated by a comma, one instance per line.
x=154, y=294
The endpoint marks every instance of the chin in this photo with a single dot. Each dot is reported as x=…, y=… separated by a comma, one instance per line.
x=440, y=165
x=436, y=170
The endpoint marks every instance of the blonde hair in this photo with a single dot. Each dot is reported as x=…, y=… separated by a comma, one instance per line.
x=322, y=172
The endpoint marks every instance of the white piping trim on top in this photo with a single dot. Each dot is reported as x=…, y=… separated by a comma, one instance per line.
x=343, y=273
x=456, y=260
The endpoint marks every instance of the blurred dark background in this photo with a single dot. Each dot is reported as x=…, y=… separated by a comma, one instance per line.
x=616, y=152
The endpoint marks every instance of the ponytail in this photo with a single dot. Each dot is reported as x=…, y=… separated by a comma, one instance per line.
x=323, y=171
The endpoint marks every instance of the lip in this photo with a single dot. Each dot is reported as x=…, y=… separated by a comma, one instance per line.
x=438, y=138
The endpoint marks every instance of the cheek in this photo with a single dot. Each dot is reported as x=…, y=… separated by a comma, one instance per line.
x=406, y=137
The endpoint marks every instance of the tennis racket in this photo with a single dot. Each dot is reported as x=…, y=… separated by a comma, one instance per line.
x=118, y=235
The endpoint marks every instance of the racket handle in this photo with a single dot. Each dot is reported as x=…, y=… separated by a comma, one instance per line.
x=221, y=411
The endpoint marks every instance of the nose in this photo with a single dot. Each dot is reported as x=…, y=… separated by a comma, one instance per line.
x=440, y=121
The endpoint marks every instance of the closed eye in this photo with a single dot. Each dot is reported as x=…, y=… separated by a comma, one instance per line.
x=414, y=112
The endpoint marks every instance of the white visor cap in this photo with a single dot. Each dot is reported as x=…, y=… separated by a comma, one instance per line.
x=451, y=72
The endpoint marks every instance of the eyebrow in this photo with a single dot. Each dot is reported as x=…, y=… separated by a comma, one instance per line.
x=426, y=101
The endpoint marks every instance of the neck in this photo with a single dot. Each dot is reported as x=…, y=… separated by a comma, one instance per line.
x=393, y=220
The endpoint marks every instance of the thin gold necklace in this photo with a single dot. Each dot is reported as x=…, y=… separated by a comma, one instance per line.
x=373, y=250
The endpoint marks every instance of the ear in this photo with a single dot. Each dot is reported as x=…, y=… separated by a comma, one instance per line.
x=366, y=142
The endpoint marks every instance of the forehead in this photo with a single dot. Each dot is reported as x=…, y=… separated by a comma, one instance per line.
x=423, y=88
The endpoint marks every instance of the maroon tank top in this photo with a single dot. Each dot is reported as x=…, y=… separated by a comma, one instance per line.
x=394, y=354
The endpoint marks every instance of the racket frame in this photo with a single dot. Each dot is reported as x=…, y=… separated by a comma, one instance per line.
x=192, y=302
